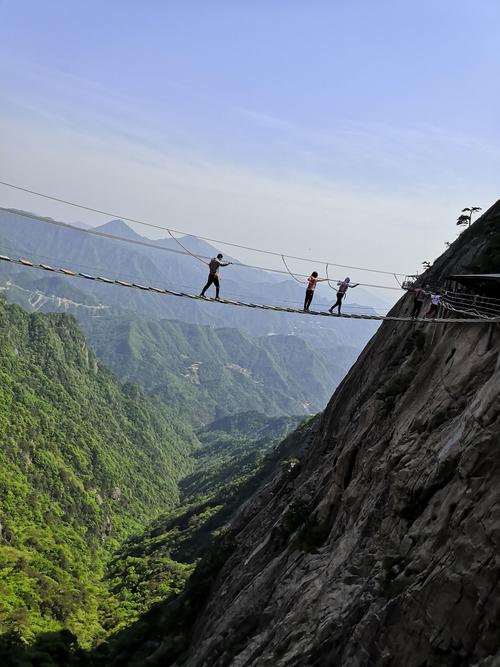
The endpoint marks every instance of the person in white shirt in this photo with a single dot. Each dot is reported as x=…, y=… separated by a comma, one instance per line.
x=435, y=303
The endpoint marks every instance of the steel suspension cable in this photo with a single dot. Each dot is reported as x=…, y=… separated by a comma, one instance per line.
x=197, y=297
x=184, y=247
x=96, y=232
x=204, y=238
x=286, y=266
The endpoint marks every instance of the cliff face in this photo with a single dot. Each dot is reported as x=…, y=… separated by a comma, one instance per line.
x=383, y=546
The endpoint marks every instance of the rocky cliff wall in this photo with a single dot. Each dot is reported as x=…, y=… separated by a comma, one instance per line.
x=383, y=546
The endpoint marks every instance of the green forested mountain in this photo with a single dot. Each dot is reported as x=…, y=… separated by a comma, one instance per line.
x=208, y=373
x=84, y=462
x=238, y=453
x=232, y=447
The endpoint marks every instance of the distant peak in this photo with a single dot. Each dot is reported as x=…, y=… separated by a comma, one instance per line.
x=118, y=227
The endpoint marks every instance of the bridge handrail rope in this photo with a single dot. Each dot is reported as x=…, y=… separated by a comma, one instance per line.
x=151, y=281
x=165, y=291
x=457, y=302
x=301, y=282
x=472, y=304
x=474, y=298
x=186, y=249
x=481, y=311
x=177, y=231
x=468, y=311
x=454, y=309
x=328, y=279
x=154, y=246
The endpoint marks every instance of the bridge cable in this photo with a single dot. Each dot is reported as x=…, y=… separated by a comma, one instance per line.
x=165, y=291
x=204, y=238
x=115, y=237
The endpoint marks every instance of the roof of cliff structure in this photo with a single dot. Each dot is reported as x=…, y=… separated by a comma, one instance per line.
x=478, y=276
x=487, y=284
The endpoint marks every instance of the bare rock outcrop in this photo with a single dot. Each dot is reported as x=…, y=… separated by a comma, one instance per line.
x=382, y=547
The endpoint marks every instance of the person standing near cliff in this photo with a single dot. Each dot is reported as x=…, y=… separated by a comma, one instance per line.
x=435, y=303
x=213, y=275
x=418, y=302
x=343, y=287
x=312, y=281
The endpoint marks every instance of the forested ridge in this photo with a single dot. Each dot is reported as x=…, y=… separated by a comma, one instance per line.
x=227, y=470
x=208, y=373
x=108, y=497
x=85, y=462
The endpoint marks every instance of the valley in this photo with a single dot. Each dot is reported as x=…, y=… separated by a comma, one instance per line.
x=122, y=478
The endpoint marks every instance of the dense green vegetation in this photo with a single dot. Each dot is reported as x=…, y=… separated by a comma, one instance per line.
x=170, y=623
x=233, y=447
x=208, y=373
x=84, y=462
x=107, y=498
x=157, y=561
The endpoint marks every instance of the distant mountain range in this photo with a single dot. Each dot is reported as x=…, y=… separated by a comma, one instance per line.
x=21, y=235
x=207, y=373
x=206, y=360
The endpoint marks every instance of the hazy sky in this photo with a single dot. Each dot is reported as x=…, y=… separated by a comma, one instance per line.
x=349, y=130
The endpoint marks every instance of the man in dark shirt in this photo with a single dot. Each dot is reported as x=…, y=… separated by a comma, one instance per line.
x=213, y=275
x=418, y=302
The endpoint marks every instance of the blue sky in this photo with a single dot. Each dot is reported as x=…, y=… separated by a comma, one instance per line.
x=347, y=130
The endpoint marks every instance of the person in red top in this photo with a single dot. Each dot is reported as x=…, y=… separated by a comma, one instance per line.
x=312, y=281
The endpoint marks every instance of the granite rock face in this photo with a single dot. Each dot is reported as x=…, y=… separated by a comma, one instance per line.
x=382, y=547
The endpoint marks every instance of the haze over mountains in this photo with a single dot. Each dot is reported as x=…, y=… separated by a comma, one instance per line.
x=135, y=333
x=45, y=242
x=208, y=373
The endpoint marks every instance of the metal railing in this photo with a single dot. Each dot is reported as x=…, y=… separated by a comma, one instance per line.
x=474, y=305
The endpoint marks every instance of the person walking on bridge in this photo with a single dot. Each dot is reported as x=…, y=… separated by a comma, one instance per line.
x=343, y=287
x=312, y=281
x=213, y=275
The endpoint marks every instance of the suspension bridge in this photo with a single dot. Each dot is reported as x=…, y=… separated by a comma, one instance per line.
x=472, y=308
x=473, y=319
